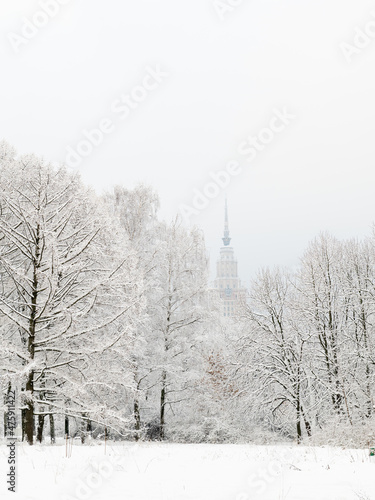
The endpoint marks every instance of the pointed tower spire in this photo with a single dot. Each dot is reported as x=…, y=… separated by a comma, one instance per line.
x=226, y=239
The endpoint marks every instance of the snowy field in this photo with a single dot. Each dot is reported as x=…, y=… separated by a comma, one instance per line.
x=149, y=471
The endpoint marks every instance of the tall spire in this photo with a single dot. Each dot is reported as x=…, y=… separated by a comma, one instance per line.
x=226, y=239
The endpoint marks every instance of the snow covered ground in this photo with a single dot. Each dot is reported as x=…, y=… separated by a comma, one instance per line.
x=150, y=471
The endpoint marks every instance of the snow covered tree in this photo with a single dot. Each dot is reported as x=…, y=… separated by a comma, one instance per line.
x=179, y=313
x=167, y=365
x=358, y=280
x=325, y=308
x=135, y=210
x=68, y=297
x=272, y=352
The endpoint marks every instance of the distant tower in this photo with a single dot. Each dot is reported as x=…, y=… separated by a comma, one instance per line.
x=226, y=239
x=227, y=283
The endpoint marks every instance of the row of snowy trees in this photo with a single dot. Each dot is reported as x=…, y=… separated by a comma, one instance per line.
x=103, y=309
x=305, y=357
x=107, y=324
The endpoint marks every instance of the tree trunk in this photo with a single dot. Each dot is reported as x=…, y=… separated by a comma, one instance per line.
x=369, y=395
x=83, y=428
x=39, y=436
x=307, y=423
x=299, y=428
x=66, y=426
x=89, y=428
x=23, y=424
x=52, y=431
x=5, y=410
x=162, y=404
x=137, y=418
x=29, y=410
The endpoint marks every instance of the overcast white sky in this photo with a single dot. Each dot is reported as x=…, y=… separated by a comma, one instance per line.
x=225, y=78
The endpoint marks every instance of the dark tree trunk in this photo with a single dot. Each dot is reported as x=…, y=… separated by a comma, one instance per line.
x=52, y=431
x=162, y=405
x=23, y=424
x=29, y=410
x=89, y=428
x=307, y=423
x=299, y=427
x=308, y=428
x=83, y=428
x=39, y=435
x=137, y=418
x=66, y=426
